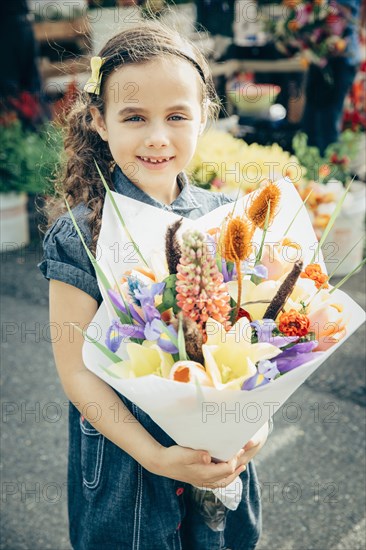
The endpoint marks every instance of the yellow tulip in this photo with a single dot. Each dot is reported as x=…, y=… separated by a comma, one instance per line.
x=143, y=360
x=230, y=357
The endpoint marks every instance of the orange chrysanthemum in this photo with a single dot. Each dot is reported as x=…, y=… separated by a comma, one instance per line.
x=314, y=272
x=257, y=211
x=293, y=323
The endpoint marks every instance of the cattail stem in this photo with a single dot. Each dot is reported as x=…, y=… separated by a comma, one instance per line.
x=283, y=292
x=172, y=248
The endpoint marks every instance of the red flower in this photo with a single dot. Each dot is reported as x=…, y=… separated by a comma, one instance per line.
x=243, y=313
x=27, y=106
x=332, y=19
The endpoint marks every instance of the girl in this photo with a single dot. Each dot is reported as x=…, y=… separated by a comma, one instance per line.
x=144, y=107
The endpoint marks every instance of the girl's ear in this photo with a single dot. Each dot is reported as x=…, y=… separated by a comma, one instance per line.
x=202, y=126
x=98, y=123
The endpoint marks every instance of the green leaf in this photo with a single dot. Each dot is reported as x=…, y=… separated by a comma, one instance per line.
x=330, y=224
x=169, y=294
x=265, y=228
x=170, y=281
x=346, y=256
x=111, y=374
x=172, y=338
x=124, y=318
x=109, y=193
x=112, y=356
x=168, y=300
x=181, y=341
x=297, y=213
x=94, y=262
x=338, y=285
x=96, y=266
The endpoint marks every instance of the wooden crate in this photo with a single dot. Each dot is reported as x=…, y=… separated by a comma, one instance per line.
x=61, y=31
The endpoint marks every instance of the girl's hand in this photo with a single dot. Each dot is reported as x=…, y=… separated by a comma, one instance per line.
x=250, y=449
x=254, y=445
x=195, y=467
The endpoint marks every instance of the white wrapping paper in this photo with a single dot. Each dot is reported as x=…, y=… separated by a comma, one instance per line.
x=220, y=422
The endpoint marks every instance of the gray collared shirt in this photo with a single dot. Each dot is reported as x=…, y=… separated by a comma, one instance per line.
x=192, y=202
x=64, y=257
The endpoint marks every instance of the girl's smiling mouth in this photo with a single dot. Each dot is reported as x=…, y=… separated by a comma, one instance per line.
x=155, y=162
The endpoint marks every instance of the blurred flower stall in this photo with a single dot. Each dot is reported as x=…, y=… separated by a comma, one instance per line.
x=226, y=164
x=229, y=165
x=314, y=29
x=29, y=154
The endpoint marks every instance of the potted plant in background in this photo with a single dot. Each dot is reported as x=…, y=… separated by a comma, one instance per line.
x=28, y=157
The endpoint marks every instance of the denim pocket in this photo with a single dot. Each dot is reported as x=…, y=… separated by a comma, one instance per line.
x=92, y=452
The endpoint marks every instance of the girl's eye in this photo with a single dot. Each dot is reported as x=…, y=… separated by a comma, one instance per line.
x=135, y=118
x=177, y=117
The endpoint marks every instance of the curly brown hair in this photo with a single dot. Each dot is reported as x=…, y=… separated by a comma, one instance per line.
x=80, y=181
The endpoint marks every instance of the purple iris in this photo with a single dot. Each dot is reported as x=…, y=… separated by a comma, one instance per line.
x=117, y=301
x=289, y=359
x=297, y=355
x=228, y=275
x=266, y=368
x=264, y=330
x=259, y=270
x=114, y=337
x=149, y=327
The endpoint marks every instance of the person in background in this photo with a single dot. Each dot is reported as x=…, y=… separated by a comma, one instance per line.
x=19, y=70
x=325, y=98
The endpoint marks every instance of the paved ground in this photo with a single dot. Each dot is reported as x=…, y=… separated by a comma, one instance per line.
x=312, y=470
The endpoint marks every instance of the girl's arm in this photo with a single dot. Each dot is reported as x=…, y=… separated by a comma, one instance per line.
x=69, y=305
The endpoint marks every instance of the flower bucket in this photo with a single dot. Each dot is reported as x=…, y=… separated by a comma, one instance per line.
x=347, y=230
x=14, y=226
x=358, y=163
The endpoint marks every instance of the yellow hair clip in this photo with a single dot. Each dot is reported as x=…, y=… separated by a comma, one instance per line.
x=93, y=84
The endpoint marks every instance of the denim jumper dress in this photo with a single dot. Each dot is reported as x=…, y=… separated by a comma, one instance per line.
x=113, y=502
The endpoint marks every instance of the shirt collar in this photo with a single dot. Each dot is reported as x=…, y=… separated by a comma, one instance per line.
x=185, y=202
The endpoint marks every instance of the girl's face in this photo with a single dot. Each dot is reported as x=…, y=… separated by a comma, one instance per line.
x=152, y=120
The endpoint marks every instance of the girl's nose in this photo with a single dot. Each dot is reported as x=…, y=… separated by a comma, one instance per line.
x=157, y=137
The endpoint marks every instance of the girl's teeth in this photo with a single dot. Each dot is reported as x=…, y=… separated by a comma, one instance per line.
x=154, y=161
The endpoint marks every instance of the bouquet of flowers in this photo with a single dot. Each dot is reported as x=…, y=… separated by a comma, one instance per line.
x=232, y=311
x=314, y=28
